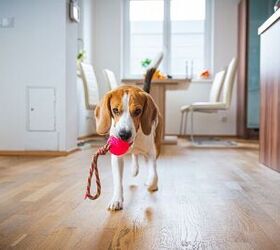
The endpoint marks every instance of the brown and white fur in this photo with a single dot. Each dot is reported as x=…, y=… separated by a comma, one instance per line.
x=130, y=113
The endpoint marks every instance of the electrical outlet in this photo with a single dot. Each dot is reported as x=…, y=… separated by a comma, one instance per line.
x=224, y=118
x=7, y=22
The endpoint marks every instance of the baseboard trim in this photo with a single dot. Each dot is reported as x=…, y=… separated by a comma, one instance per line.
x=84, y=137
x=41, y=153
x=203, y=135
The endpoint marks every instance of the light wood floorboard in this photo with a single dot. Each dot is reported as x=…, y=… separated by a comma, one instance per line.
x=207, y=199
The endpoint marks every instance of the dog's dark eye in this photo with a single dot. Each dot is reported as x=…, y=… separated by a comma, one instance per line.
x=137, y=112
x=116, y=111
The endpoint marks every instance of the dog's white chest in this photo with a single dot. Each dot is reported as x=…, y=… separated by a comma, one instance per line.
x=144, y=144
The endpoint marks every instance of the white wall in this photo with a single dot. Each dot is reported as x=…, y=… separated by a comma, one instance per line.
x=37, y=52
x=86, y=27
x=86, y=124
x=108, y=39
x=101, y=30
x=71, y=125
x=108, y=54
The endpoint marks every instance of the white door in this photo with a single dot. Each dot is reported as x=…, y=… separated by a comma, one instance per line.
x=41, y=109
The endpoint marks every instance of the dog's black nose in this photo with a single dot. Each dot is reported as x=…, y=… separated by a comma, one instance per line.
x=125, y=135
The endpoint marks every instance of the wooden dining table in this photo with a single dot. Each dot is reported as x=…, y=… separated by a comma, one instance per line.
x=158, y=92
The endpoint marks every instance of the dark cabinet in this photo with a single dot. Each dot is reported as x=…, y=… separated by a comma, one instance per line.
x=252, y=13
x=270, y=92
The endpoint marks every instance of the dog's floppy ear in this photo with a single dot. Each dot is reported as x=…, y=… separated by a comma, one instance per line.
x=149, y=115
x=103, y=115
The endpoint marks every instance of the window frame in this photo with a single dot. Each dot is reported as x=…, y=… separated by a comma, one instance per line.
x=208, y=38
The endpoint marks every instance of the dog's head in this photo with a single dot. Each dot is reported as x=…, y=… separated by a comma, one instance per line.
x=123, y=111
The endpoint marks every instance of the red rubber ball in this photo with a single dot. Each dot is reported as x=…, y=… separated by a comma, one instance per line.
x=118, y=146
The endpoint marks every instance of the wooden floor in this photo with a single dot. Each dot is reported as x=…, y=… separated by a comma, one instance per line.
x=207, y=199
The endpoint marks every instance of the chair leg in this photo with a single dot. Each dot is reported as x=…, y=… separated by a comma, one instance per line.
x=192, y=121
x=186, y=123
x=181, y=123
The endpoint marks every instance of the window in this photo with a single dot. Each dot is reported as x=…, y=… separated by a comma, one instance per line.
x=177, y=27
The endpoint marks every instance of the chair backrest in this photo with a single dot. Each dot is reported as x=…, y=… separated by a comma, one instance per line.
x=91, y=89
x=229, y=81
x=110, y=78
x=216, y=88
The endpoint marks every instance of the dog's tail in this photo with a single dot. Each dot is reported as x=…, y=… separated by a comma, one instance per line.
x=150, y=72
x=148, y=79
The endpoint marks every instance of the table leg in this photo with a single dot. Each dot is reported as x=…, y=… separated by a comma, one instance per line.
x=158, y=94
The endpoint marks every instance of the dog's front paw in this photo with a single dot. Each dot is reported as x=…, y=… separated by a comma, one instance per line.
x=152, y=185
x=115, y=204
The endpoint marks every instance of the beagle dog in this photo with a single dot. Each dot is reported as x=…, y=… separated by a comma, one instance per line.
x=131, y=114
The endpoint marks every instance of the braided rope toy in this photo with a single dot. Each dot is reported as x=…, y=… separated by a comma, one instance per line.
x=116, y=146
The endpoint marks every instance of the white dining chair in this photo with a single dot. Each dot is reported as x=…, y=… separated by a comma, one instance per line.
x=91, y=89
x=110, y=79
x=223, y=80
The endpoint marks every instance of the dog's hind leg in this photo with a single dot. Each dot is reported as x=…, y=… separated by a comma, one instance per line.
x=134, y=165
